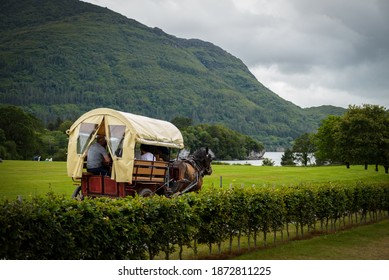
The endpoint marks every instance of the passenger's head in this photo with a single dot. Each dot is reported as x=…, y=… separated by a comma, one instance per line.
x=100, y=139
x=144, y=148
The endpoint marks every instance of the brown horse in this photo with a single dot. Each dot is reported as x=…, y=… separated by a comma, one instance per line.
x=188, y=173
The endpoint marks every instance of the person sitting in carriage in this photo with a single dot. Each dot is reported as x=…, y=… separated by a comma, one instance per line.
x=98, y=160
x=146, y=153
x=162, y=153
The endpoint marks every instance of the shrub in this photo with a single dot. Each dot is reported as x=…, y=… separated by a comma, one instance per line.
x=54, y=227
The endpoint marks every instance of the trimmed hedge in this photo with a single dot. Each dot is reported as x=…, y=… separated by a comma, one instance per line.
x=55, y=227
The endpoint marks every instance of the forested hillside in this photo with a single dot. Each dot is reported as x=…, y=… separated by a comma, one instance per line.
x=60, y=58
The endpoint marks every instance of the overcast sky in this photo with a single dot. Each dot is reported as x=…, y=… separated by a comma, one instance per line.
x=310, y=52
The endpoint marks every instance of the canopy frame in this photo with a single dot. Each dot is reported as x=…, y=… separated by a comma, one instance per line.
x=122, y=130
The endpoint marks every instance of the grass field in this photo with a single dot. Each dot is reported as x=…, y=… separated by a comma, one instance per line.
x=367, y=242
x=277, y=175
x=28, y=178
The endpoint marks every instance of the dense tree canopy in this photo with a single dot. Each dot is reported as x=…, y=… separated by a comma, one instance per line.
x=325, y=140
x=19, y=132
x=288, y=158
x=224, y=142
x=22, y=136
x=303, y=148
x=360, y=136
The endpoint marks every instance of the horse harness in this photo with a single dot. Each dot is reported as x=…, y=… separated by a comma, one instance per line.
x=198, y=173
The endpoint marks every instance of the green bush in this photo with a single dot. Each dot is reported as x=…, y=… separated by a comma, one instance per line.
x=54, y=227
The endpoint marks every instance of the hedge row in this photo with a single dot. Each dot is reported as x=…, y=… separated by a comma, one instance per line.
x=54, y=227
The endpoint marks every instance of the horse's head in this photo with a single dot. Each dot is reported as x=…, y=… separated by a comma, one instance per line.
x=203, y=158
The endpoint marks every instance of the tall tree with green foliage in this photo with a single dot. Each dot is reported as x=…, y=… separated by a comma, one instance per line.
x=360, y=136
x=326, y=141
x=288, y=158
x=20, y=131
x=303, y=148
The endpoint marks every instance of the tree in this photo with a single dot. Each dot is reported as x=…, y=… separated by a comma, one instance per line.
x=182, y=122
x=267, y=162
x=326, y=140
x=363, y=135
x=224, y=142
x=384, y=145
x=22, y=129
x=288, y=158
x=303, y=148
x=54, y=144
x=65, y=126
x=360, y=136
x=3, y=149
x=253, y=147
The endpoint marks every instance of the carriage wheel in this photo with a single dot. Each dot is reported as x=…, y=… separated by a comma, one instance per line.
x=146, y=192
x=77, y=194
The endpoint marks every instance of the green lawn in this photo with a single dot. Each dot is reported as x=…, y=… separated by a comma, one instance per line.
x=30, y=177
x=276, y=175
x=367, y=242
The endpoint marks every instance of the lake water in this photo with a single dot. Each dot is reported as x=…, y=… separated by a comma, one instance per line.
x=275, y=156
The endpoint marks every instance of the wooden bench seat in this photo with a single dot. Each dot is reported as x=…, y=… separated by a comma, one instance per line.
x=152, y=171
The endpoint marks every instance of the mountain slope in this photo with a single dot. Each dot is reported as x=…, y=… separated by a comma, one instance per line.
x=59, y=58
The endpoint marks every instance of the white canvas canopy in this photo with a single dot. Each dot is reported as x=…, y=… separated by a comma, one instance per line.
x=122, y=131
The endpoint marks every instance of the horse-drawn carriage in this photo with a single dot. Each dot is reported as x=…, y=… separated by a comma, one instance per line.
x=129, y=175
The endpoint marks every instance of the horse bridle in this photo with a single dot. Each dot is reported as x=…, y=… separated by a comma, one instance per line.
x=200, y=170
